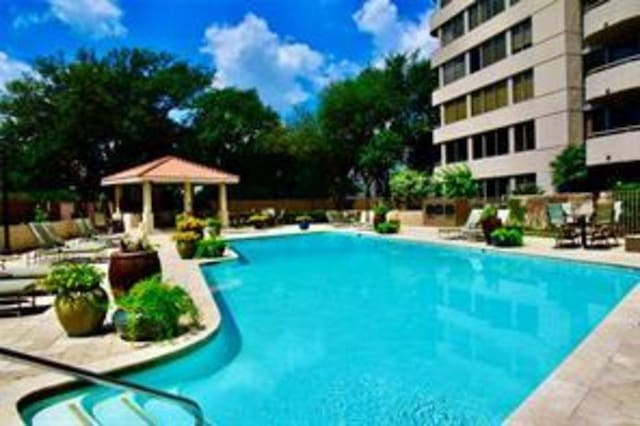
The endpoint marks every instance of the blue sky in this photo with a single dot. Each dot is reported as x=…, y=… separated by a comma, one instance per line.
x=287, y=49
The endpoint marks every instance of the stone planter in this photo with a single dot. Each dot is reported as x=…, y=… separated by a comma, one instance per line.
x=82, y=313
x=126, y=269
x=304, y=225
x=186, y=249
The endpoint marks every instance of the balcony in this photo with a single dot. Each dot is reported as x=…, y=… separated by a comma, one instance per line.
x=613, y=78
x=601, y=18
x=619, y=145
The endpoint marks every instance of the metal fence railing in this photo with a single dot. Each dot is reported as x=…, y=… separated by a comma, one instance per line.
x=630, y=220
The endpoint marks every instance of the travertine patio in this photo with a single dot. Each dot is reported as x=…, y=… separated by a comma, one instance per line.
x=598, y=384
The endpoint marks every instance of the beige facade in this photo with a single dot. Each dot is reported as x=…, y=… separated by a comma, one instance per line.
x=612, y=87
x=501, y=41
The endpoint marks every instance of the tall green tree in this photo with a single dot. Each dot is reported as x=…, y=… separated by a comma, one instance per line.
x=570, y=169
x=75, y=121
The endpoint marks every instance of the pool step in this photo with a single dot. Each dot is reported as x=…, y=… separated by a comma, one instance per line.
x=121, y=409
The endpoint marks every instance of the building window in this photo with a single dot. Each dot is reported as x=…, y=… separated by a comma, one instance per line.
x=457, y=151
x=490, y=144
x=455, y=110
x=523, y=86
x=488, y=52
x=525, y=180
x=489, y=98
x=521, y=36
x=494, y=188
x=483, y=10
x=452, y=29
x=453, y=70
x=525, y=136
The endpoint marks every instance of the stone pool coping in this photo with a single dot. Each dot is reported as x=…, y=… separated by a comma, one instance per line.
x=597, y=383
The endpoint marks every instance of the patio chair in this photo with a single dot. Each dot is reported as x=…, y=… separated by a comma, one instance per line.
x=603, y=232
x=87, y=231
x=503, y=215
x=52, y=245
x=337, y=218
x=16, y=287
x=565, y=232
x=469, y=230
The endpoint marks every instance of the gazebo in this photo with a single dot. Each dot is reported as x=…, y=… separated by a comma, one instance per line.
x=171, y=170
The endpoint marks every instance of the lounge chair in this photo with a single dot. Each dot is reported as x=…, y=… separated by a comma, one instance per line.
x=53, y=245
x=18, y=284
x=503, y=215
x=469, y=230
x=565, y=232
x=87, y=231
x=603, y=230
x=338, y=218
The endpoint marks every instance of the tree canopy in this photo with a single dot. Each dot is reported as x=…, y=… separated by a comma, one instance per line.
x=74, y=120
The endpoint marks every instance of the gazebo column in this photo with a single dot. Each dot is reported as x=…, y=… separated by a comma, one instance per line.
x=147, y=208
x=188, y=198
x=223, y=212
x=116, y=200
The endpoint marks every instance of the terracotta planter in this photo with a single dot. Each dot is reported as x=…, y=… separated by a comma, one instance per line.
x=186, y=249
x=126, y=269
x=82, y=313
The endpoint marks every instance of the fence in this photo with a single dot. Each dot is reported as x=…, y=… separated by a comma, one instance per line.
x=630, y=220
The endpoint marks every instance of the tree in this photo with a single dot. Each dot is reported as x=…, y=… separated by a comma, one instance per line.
x=409, y=187
x=455, y=181
x=570, y=169
x=96, y=115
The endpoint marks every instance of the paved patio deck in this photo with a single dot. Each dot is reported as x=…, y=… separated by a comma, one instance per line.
x=598, y=384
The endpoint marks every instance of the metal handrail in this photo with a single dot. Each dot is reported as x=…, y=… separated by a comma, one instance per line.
x=103, y=380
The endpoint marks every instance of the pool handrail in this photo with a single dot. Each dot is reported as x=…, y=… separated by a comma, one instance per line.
x=101, y=379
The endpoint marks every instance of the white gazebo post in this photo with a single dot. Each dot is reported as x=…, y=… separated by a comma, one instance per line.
x=147, y=208
x=116, y=201
x=188, y=198
x=223, y=212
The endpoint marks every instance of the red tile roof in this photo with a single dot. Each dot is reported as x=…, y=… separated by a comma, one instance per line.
x=171, y=169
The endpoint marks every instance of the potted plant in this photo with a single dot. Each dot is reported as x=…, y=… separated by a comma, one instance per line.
x=212, y=227
x=208, y=248
x=388, y=227
x=259, y=221
x=188, y=223
x=507, y=237
x=155, y=310
x=304, y=222
x=380, y=214
x=80, y=304
x=489, y=222
x=136, y=259
x=186, y=243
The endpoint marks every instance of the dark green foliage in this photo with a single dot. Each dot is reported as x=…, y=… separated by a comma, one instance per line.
x=527, y=189
x=570, y=169
x=207, y=248
x=388, y=227
x=157, y=310
x=507, y=237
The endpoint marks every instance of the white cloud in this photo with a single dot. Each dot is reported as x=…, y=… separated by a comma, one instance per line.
x=98, y=18
x=27, y=20
x=391, y=33
x=10, y=69
x=250, y=55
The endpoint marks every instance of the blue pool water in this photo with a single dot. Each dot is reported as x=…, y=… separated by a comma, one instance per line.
x=341, y=329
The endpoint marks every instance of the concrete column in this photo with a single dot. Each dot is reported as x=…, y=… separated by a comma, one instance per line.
x=223, y=212
x=147, y=208
x=116, y=200
x=443, y=154
x=188, y=198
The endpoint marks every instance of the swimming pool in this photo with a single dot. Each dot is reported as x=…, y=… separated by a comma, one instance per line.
x=336, y=328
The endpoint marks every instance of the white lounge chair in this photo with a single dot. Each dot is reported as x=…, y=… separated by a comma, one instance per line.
x=53, y=245
x=468, y=230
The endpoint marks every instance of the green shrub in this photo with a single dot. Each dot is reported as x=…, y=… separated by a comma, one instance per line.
x=455, y=181
x=72, y=277
x=390, y=227
x=210, y=248
x=528, y=188
x=258, y=220
x=214, y=223
x=570, y=169
x=507, y=237
x=408, y=187
x=157, y=310
x=489, y=212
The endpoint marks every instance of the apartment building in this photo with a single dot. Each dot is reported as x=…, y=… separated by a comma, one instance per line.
x=612, y=89
x=510, y=89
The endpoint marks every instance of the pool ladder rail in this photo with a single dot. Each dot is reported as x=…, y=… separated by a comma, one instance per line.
x=87, y=419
